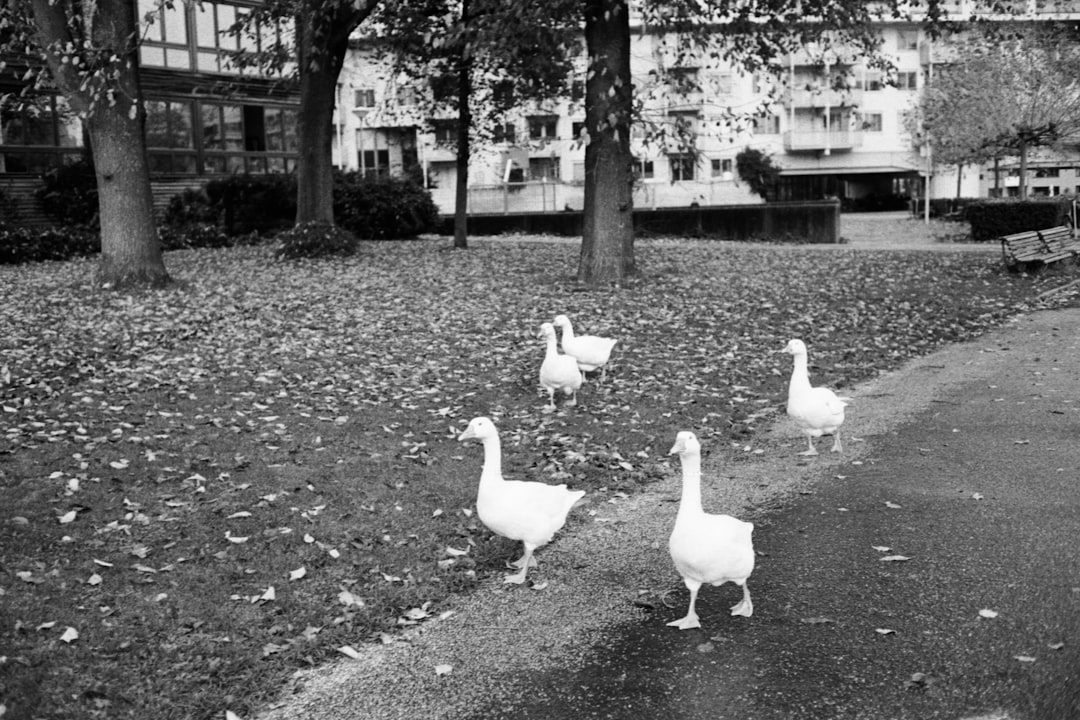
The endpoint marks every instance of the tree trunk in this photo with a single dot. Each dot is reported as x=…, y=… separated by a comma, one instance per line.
x=461, y=193
x=607, y=244
x=130, y=250
x=320, y=53
x=1023, y=170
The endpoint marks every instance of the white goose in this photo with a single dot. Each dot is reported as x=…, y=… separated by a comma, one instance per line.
x=531, y=512
x=705, y=548
x=558, y=372
x=591, y=351
x=816, y=410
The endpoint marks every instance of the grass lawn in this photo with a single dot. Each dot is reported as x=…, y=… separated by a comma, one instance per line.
x=206, y=487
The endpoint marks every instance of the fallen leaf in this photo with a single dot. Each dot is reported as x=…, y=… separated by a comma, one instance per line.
x=269, y=594
x=884, y=631
x=894, y=558
x=70, y=635
x=46, y=625
x=94, y=579
x=1024, y=658
x=705, y=648
x=68, y=517
x=230, y=715
x=817, y=621
x=892, y=505
x=241, y=514
x=539, y=586
x=349, y=651
x=1056, y=646
x=976, y=496
x=298, y=573
x=987, y=613
x=443, y=669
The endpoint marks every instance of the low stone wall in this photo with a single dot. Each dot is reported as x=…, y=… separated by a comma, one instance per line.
x=807, y=222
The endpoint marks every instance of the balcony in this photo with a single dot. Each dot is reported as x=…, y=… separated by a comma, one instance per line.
x=815, y=140
x=803, y=98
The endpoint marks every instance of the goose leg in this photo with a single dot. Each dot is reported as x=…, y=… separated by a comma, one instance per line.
x=744, y=607
x=551, y=400
x=520, y=562
x=573, y=398
x=691, y=619
x=810, y=444
x=836, y=443
x=526, y=560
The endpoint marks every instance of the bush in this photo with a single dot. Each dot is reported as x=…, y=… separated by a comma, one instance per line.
x=383, y=208
x=193, y=235
x=990, y=219
x=757, y=170
x=314, y=240
x=22, y=245
x=251, y=203
x=68, y=194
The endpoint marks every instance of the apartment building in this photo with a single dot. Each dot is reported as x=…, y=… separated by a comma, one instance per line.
x=835, y=126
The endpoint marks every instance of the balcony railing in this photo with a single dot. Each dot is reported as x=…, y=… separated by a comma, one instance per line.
x=802, y=98
x=807, y=140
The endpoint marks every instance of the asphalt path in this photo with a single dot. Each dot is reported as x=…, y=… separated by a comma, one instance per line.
x=980, y=492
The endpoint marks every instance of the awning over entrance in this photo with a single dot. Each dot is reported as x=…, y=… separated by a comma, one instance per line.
x=852, y=164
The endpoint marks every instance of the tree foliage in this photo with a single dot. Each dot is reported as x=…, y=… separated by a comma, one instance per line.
x=1003, y=93
x=757, y=170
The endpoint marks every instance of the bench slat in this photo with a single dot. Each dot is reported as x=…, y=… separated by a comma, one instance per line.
x=1043, y=246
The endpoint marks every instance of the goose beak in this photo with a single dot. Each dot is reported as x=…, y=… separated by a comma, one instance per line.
x=678, y=447
x=469, y=434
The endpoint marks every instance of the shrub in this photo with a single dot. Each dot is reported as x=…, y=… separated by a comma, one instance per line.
x=68, y=194
x=253, y=203
x=991, y=219
x=193, y=235
x=191, y=207
x=757, y=170
x=383, y=208
x=314, y=240
x=22, y=245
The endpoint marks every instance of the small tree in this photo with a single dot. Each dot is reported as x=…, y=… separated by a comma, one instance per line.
x=90, y=53
x=757, y=170
x=1006, y=93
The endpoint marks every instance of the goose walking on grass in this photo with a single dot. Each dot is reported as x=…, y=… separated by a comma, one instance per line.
x=531, y=512
x=558, y=372
x=707, y=549
x=816, y=410
x=590, y=351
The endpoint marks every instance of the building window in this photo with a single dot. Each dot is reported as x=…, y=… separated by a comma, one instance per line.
x=543, y=127
x=579, y=172
x=577, y=90
x=874, y=80
x=247, y=138
x=684, y=80
x=374, y=163
x=1047, y=172
x=767, y=125
x=577, y=128
x=364, y=98
x=406, y=96
x=685, y=121
x=722, y=168
x=445, y=132
x=872, y=122
x=682, y=167
x=170, y=137
x=643, y=170
x=505, y=133
x=907, y=39
x=907, y=80
x=195, y=35
x=544, y=168
x=38, y=137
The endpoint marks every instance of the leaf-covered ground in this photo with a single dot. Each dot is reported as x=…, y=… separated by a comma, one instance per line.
x=205, y=487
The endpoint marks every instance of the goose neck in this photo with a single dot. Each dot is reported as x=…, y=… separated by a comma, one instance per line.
x=492, y=470
x=691, y=483
x=800, y=377
x=552, y=345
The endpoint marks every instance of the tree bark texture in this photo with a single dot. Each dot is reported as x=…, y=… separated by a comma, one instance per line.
x=461, y=193
x=321, y=49
x=130, y=249
x=607, y=245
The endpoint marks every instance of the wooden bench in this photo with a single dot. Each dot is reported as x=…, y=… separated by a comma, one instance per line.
x=1039, y=246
